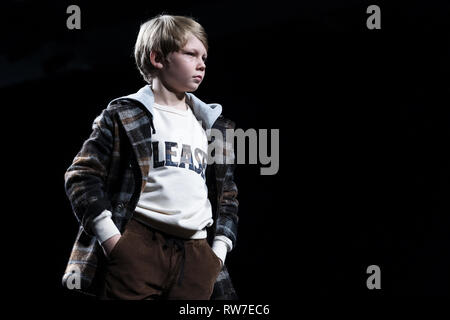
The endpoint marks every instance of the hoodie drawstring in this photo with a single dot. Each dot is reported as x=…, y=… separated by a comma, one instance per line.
x=152, y=125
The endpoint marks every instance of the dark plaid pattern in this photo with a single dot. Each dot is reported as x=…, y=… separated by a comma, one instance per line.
x=110, y=172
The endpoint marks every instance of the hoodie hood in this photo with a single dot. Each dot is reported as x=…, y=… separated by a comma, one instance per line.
x=207, y=113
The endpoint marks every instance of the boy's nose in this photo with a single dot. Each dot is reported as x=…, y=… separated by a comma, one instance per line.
x=202, y=65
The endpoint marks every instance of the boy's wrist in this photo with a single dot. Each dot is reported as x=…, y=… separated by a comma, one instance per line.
x=225, y=240
x=103, y=227
x=220, y=249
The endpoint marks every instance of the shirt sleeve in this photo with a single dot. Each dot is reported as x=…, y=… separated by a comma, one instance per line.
x=221, y=246
x=103, y=226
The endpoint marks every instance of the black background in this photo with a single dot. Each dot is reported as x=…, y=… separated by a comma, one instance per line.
x=364, y=136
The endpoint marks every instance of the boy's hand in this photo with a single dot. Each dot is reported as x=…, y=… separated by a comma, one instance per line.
x=109, y=244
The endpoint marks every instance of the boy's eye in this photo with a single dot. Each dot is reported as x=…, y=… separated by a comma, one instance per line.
x=193, y=54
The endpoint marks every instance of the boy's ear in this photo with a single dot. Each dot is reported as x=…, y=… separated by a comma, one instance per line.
x=156, y=59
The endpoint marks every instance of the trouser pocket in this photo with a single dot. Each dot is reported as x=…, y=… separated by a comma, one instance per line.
x=214, y=256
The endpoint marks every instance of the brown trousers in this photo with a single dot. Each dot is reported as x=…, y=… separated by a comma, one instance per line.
x=148, y=264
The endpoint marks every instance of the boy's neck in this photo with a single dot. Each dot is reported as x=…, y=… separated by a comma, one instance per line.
x=166, y=97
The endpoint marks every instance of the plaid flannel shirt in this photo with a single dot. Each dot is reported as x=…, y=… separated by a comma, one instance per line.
x=110, y=172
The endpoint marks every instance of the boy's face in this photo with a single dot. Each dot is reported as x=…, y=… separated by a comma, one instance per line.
x=185, y=65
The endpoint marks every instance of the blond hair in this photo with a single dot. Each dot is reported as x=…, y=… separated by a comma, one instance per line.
x=164, y=34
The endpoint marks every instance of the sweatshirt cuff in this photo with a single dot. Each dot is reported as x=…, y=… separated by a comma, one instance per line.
x=221, y=245
x=103, y=226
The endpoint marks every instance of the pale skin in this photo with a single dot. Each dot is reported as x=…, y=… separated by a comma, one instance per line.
x=173, y=79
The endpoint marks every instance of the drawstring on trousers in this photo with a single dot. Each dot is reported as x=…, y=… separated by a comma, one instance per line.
x=179, y=244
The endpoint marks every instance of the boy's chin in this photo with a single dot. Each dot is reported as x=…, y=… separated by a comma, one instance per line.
x=192, y=88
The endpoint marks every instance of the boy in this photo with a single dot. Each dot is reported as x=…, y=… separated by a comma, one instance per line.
x=156, y=221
